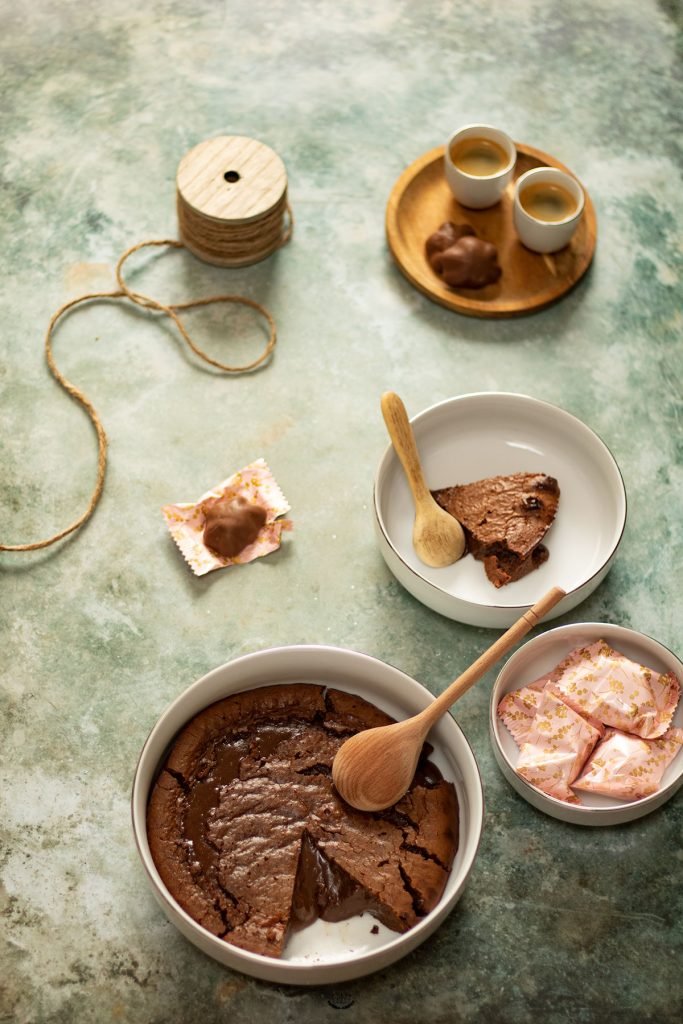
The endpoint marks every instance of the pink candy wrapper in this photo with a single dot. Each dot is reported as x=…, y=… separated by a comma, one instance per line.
x=555, y=750
x=629, y=767
x=257, y=485
x=518, y=709
x=601, y=683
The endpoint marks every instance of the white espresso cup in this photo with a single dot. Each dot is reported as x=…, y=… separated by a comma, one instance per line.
x=479, y=161
x=547, y=207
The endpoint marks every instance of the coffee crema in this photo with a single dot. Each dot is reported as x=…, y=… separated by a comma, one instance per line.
x=479, y=157
x=548, y=202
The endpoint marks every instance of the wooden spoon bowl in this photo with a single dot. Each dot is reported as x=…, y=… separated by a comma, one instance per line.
x=374, y=769
x=438, y=537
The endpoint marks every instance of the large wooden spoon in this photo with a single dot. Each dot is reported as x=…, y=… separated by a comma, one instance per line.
x=438, y=538
x=374, y=769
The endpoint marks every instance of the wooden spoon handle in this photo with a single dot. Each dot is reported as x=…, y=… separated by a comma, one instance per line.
x=484, y=662
x=403, y=440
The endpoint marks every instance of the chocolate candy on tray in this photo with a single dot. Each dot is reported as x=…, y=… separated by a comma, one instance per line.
x=461, y=258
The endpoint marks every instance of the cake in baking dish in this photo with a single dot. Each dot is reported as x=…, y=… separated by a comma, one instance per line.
x=251, y=838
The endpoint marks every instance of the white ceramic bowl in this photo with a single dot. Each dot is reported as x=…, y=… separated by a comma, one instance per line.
x=488, y=434
x=323, y=953
x=536, y=658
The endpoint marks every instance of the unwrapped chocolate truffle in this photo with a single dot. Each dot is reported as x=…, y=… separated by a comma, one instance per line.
x=445, y=236
x=468, y=263
x=237, y=521
x=231, y=525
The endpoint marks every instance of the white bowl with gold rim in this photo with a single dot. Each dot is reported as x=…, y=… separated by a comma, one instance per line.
x=474, y=436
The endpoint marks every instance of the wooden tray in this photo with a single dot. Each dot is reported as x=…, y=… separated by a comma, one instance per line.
x=421, y=200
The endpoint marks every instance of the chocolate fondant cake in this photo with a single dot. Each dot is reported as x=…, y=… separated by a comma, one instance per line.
x=505, y=519
x=251, y=838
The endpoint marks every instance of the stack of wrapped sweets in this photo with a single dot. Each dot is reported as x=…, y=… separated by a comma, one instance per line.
x=597, y=723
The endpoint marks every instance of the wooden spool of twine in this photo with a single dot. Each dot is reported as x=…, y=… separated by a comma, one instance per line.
x=221, y=224
x=232, y=201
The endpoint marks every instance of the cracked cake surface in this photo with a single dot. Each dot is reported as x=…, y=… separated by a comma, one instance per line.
x=505, y=519
x=251, y=838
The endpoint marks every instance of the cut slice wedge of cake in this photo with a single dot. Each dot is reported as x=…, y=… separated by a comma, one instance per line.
x=505, y=519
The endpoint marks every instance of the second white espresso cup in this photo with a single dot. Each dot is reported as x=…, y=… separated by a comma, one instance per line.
x=479, y=162
x=539, y=221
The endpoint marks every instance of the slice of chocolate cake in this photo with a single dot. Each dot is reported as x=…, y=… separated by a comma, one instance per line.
x=505, y=519
x=251, y=838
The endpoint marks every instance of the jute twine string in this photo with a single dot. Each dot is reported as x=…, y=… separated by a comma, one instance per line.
x=171, y=311
x=244, y=243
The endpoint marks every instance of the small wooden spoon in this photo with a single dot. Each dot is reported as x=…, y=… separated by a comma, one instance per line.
x=374, y=769
x=438, y=538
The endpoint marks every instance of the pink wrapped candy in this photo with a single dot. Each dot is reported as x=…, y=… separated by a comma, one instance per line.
x=629, y=767
x=558, y=742
x=599, y=682
x=518, y=709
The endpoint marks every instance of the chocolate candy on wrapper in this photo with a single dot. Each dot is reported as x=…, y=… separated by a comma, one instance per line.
x=248, y=505
x=599, y=682
x=629, y=767
x=558, y=742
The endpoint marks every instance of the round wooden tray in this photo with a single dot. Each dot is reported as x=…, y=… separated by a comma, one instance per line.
x=421, y=200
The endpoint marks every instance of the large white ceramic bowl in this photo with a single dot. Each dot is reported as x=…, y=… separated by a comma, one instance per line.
x=536, y=658
x=488, y=434
x=325, y=952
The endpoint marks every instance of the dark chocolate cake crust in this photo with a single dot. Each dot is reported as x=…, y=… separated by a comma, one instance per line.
x=251, y=838
x=505, y=518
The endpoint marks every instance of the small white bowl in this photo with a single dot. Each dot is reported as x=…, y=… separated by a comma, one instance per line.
x=475, y=436
x=536, y=658
x=325, y=952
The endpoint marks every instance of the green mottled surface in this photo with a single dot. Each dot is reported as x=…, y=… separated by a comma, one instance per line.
x=99, y=102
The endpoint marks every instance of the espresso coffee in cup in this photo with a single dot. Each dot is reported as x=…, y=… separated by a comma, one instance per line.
x=548, y=201
x=547, y=208
x=478, y=156
x=478, y=162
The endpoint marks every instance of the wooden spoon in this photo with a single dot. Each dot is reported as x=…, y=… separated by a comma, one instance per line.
x=438, y=538
x=374, y=769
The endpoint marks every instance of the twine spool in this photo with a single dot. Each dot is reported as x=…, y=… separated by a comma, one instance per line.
x=232, y=201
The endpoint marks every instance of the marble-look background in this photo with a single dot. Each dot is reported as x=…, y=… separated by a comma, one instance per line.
x=99, y=103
